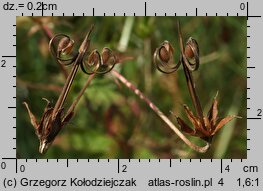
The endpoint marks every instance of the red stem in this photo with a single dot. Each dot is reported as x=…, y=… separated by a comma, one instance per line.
x=159, y=113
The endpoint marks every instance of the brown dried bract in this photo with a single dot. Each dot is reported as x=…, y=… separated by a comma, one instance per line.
x=211, y=123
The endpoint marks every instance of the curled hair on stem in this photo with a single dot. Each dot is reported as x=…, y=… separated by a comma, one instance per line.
x=61, y=47
x=99, y=63
x=164, y=58
x=164, y=55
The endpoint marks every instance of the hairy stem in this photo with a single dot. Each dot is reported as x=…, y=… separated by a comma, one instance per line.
x=159, y=113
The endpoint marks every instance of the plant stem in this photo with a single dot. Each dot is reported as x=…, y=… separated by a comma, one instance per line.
x=159, y=113
x=63, y=95
x=189, y=81
x=73, y=105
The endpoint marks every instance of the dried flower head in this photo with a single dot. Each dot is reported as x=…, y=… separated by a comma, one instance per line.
x=211, y=123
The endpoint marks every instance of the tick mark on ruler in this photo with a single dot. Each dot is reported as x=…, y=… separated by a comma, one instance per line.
x=254, y=16
x=5, y=158
x=145, y=7
x=16, y=165
x=8, y=56
x=253, y=118
x=221, y=165
x=118, y=165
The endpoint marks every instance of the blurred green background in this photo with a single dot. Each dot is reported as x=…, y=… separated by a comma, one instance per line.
x=110, y=120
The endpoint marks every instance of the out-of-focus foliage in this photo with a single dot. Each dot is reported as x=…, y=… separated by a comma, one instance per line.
x=111, y=121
